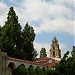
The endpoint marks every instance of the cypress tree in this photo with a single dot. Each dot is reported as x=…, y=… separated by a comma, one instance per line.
x=11, y=34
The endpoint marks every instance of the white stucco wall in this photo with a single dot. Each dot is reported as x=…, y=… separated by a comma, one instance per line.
x=17, y=63
x=4, y=62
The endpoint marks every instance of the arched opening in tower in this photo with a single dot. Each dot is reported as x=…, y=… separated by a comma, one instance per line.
x=53, y=53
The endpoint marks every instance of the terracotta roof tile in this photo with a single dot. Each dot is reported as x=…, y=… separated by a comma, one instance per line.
x=49, y=65
x=39, y=61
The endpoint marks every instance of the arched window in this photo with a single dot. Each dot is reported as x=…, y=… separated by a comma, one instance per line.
x=53, y=47
x=54, y=53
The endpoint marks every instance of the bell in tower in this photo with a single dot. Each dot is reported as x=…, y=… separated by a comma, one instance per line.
x=55, y=52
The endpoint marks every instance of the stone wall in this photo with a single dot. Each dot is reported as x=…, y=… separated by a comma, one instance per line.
x=3, y=63
x=0, y=63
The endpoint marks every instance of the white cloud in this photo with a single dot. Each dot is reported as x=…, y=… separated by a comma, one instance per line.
x=53, y=17
x=70, y=2
x=56, y=25
x=38, y=47
x=63, y=48
x=74, y=32
x=3, y=13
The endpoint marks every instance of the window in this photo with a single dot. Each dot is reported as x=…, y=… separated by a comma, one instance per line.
x=53, y=47
x=50, y=61
x=54, y=53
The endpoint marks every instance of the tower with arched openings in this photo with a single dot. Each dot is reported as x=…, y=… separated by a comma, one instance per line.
x=55, y=51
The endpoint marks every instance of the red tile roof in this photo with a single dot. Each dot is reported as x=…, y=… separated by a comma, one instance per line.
x=49, y=65
x=16, y=59
x=39, y=61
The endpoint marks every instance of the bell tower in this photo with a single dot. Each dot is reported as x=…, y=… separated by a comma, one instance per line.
x=55, y=52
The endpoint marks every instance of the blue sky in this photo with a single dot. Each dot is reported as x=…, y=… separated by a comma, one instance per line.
x=48, y=18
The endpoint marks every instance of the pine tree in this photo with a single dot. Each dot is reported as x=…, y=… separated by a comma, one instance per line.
x=43, y=53
x=11, y=34
x=28, y=37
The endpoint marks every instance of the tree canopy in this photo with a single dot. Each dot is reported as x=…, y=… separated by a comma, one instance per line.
x=11, y=32
x=73, y=52
x=28, y=37
x=43, y=53
x=15, y=41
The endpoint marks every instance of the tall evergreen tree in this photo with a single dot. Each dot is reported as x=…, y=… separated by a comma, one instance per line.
x=11, y=34
x=0, y=31
x=43, y=53
x=73, y=52
x=28, y=36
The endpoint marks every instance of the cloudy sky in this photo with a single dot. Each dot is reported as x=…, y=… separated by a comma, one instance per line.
x=48, y=18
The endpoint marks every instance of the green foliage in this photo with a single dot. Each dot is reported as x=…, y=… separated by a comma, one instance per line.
x=61, y=69
x=13, y=41
x=31, y=71
x=28, y=32
x=40, y=71
x=73, y=52
x=28, y=36
x=0, y=31
x=43, y=53
x=11, y=33
x=20, y=70
x=34, y=54
x=64, y=59
x=44, y=71
x=66, y=65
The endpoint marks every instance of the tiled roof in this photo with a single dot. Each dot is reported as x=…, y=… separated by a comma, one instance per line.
x=40, y=61
x=20, y=60
x=45, y=62
x=25, y=61
x=49, y=65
